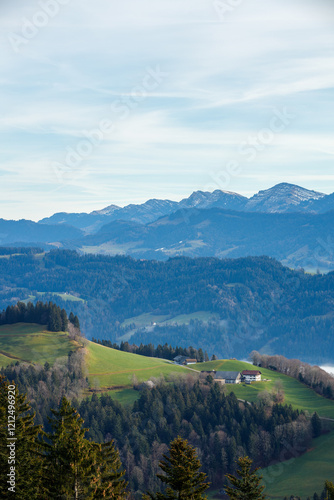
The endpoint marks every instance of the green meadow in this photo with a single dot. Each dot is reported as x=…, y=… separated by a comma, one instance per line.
x=304, y=475
x=113, y=371
x=109, y=368
x=146, y=319
x=32, y=343
x=296, y=393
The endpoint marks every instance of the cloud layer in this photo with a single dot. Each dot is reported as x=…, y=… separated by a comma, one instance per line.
x=116, y=102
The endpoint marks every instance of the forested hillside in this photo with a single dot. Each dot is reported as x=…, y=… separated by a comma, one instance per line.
x=247, y=303
x=216, y=423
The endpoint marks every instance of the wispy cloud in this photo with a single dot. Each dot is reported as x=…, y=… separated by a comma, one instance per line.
x=225, y=78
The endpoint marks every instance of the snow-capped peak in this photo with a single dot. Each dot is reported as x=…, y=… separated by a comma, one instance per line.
x=281, y=198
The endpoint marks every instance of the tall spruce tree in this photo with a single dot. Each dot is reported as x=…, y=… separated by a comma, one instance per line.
x=55, y=320
x=24, y=450
x=329, y=486
x=182, y=477
x=69, y=457
x=109, y=476
x=316, y=425
x=76, y=322
x=64, y=320
x=248, y=486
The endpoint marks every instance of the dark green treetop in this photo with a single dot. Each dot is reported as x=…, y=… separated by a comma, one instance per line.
x=248, y=486
x=182, y=474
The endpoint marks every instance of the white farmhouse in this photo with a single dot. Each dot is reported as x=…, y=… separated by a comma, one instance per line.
x=251, y=375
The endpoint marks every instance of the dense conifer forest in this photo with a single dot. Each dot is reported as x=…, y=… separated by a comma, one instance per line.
x=252, y=300
x=48, y=314
x=218, y=425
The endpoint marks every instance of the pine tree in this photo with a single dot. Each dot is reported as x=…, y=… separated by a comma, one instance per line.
x=109, y=476
x=69, y=456
x=249, y=486
x=27, y=461
x=55, y=320
x=182, y=476
x=64, y=320
x=76, y=323
x=316, y=425
x=330, y=488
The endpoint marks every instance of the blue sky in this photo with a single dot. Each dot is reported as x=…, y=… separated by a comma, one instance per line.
x=111, y=102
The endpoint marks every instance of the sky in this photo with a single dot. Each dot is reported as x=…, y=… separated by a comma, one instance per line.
x=111, y=102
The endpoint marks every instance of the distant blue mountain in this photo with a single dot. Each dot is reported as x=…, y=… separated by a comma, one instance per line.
x=281, y=198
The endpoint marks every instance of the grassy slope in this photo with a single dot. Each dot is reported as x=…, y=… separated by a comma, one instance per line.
x=32, y=343
x=110, y=368
x=144, y=320
x=302, y=476
x=305, y=475
x=125, y=396
x=147, y=319
x=296, y=394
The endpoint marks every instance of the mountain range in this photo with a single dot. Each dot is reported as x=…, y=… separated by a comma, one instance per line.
x=281, y=198
x=287, y=222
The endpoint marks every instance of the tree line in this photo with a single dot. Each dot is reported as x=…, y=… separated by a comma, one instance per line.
x=21, y=250
x=41, y=313
x=312, y=376
x=161, y=351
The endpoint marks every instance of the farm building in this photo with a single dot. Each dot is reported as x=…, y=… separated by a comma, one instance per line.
x=228, y=377
x=184, y=360
x=251, y=375
x=190, y=361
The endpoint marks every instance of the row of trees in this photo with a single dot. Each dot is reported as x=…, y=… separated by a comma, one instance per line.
x=41, y=313
x=20, y=250
x=313, y=376
x=161, y=351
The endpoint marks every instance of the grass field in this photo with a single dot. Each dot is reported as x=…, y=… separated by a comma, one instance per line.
x=304, y=475
x=184, y=319
x=125, y=396
x=109, y=368
x=147, y=319
x=32, y=343
x=296, y=394
x=67, y=297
